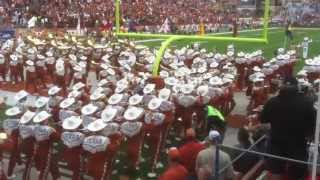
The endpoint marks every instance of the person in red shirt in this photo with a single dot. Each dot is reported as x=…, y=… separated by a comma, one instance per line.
x=175, y=171
x=189, y=151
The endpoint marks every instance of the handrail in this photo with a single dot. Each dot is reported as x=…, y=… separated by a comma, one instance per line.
x=242, y=154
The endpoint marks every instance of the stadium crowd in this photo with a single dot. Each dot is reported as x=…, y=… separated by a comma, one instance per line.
x=136, y=15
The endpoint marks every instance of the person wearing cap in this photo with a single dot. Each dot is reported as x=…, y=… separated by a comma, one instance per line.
x=14, y=69
x=45, y=136
x=241, y=70
x=21, y=99
x=205, y=162
x=189, y=151
x=72, y=139
x=259, y=95
x=54, y=101
x=186, y=101
x=31, y=79
x=27, y=141
x=292, y=119
x=61, y=75
x=175, y=170
x=41, y=70
x=154, y=119
x=167, y=107
x=134, y=132
x=50, y=65
x=229, y=102
x=97, y=145
x=11, y=127
x=202, y=99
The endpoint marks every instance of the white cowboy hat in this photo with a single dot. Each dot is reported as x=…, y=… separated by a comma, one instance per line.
x=121, y=88
x=102, y=82
x=229, y=76
x=214, y=64
x=74, y=94
x=149, y=88
x=115, y=99
x=215, y=81
x=108, y=114
x=41, y=116
x=164, y=94
x=13, y=57
x=88, y=109
x=187, y=88
x=67, y=103
x=53, y=90
x=111, y=71
x=41, y=101
x=171, y=81
x=177, y=88
x=26, y=117
x=49, y=53
x=135, y=99
x=96, y=95
x=230, y=53
x=123, y=82
x=203, y=90
x=13, y=111
x=40, y=56
x=72, y=122
x=302, y=73
x=133, y=113
x=96, y=125
x=78, y=86
x=241, y=54
x=30, y=63
x=154, y=103
x=83, y=58
x=164, y=74
x=256, y=69
x=21, y=95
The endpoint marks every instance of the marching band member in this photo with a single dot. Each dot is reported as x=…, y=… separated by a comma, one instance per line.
x=31, y=79
x=133, y=130
x=41, y=70
x=112, y=132
x=11, y=127
x=72, y=138
x=50, y=64
x=14, y=70
x=154, y=130
x=27, y=141
x=98, y=146
x=54, y=101
x=168, y=109
x=45, y=137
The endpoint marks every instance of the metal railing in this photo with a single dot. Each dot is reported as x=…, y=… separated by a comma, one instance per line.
x=217, y=171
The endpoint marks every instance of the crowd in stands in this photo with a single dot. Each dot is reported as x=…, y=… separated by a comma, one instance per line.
x=143, y=15
x=303, y=13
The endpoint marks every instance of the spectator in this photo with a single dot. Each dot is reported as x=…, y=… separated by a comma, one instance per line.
x=206, y=160
x=189, y=152
x=247, y=161
x=292, y=119
x=175, y=171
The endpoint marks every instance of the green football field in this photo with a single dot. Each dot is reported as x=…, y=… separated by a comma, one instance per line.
x=276, y=37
